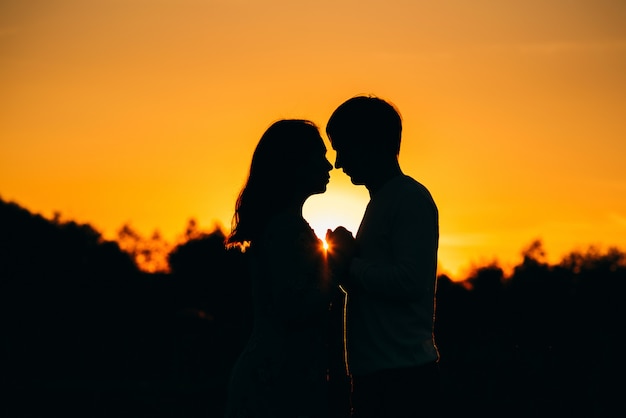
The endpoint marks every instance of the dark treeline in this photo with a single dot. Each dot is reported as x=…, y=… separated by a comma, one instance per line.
x=85, y=332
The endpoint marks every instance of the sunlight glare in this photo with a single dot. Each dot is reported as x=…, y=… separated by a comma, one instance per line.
x=343, y=204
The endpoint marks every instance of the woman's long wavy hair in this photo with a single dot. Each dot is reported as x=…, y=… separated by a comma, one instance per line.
x=271, y=186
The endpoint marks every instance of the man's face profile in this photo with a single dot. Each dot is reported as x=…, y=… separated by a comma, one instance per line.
x=353, y=157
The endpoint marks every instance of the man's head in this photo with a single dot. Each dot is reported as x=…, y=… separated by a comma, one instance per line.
x=365, y=131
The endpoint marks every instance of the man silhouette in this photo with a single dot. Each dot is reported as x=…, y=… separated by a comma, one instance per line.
x=389, y=269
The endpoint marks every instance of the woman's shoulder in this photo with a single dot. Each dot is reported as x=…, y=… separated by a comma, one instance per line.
x=285, y=219
x=286, y=227
x=291, y=239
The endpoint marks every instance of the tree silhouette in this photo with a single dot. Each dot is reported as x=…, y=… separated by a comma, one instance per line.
x=150, y=254
x=215, y=281
x=83, y=327
x=544, y=341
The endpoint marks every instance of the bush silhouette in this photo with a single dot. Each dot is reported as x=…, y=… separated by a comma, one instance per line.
x=79, y=315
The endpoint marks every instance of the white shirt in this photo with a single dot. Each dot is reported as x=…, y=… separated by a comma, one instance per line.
x=390, y=310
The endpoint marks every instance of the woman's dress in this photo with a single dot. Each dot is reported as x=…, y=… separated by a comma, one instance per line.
x=282, y=372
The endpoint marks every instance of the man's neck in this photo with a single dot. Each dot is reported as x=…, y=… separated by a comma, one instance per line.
x=382, y=177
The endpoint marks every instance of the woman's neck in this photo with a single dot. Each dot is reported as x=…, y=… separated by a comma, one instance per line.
x=295, y=209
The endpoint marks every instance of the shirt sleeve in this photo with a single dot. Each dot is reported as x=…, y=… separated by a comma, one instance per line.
x=409, y=273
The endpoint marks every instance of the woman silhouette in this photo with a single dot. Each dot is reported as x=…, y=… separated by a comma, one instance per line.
x=282, y=370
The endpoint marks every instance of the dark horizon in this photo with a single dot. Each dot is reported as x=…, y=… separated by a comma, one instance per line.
x=86, y=330
x=150, y=252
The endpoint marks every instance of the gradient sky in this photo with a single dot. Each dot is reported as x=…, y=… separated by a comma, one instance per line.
x=147, y=111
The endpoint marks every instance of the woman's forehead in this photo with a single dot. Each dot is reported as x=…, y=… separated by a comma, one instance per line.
x=317, y=142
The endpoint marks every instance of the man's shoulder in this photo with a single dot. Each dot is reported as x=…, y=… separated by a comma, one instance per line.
x=409, y=181
x=406, y=187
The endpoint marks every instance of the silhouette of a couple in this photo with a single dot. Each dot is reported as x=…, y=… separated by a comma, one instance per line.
x=293, y=364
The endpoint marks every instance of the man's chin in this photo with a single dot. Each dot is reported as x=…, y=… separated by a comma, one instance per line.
x=320, y=190
x=355, y=180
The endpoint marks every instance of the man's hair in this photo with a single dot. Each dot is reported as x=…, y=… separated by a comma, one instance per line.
x=367, y=119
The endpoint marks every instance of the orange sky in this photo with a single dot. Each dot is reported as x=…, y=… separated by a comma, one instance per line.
x=147, y=111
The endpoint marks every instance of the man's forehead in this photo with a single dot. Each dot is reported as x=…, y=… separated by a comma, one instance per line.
x=350, y=142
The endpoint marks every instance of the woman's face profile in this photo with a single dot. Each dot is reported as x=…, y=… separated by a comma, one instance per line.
x=313, y=172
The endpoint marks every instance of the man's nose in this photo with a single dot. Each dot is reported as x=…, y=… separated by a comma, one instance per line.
x=337, y=162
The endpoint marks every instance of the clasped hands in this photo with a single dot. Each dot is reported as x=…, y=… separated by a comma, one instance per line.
x=342, y=248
